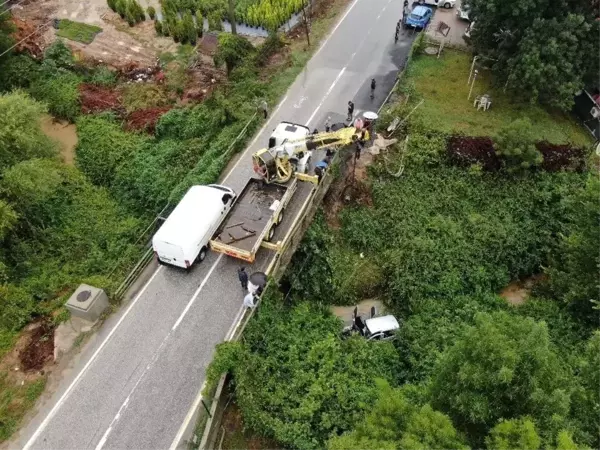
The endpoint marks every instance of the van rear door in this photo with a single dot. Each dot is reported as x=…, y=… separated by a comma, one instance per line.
x=169, y=253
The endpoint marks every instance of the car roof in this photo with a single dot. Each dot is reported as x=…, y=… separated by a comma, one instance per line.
x=383, y=323
x=420, y=10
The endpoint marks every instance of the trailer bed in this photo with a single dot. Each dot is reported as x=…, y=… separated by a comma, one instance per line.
x=250, y=218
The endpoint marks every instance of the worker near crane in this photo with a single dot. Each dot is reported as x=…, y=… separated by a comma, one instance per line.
x=243, y=277
x=328, y=124
x=350, y=110
x=321, y=168
x=373, y=84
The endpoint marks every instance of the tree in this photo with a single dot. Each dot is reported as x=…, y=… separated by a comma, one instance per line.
x=504, y=367
x=549, y=63
x=313, y=383
x=199, y=23
x=151, y=12
x=232, y=50
x=515, y=434
x=20, y=135
x=8, y=219
x=189, y=29
x=396, y=422
x=6, y=30
x=515, y=144
x=543, y=49
x=574, y=270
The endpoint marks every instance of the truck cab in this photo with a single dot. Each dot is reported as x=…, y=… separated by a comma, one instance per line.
x=288, y=131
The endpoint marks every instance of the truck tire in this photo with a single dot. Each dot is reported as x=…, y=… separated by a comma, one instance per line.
x=280, y=217
x=270, y=234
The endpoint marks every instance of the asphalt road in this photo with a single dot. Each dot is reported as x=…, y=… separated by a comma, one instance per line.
x=136, y=380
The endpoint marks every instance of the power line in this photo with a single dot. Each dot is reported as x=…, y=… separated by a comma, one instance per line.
x=26, y=37
x=11, y=8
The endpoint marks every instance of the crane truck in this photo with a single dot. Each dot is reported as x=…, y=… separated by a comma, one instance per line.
x=260, y=207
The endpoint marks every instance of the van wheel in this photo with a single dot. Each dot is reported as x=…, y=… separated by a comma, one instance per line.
x=447, y=5
x=201, y=255
x=280, y=217
x=270, y=234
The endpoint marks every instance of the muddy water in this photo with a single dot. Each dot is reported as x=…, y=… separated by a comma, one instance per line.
x=64, y=133
x=364, y=309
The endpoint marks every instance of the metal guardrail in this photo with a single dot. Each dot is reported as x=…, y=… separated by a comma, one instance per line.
x=146, y=257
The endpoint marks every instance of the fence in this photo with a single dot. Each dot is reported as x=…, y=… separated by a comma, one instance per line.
x=146, y=235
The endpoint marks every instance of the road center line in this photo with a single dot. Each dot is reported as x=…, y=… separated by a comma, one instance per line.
x=63, y=397
x=326, y=95
x=156, y=355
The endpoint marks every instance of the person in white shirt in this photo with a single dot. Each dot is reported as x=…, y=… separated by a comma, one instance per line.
x=249, y=300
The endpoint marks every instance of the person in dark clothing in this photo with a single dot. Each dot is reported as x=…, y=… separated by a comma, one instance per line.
x=315, y=131
x=373, y=84
x=243, y=277
x=358, y=150
x=350, y=110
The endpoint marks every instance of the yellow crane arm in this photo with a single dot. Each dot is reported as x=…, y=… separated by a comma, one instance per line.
x=273, y=164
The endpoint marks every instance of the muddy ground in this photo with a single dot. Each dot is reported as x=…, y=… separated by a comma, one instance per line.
x=64, y=133
x=117, y=44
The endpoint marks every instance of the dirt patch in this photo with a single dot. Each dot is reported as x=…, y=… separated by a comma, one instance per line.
x=64, y=133
x=40, y=348
x=27, y=39
x=145, y=119
x=96, y=99
x=235, y=436
x=516, y=293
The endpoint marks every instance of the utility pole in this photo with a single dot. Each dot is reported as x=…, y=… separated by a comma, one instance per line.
x=306, y=23
x=232, y=16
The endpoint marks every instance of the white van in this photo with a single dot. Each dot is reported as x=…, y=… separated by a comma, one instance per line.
x=183, y=239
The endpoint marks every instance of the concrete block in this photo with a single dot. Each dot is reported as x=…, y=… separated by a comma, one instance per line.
x=87, y=302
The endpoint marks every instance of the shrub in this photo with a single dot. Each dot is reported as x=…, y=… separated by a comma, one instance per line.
x=199, y=23
x=189, y=33
x=16, y=307
x=60, y=92
x=158, y=26
x=18, y=71
x=515, y=144
x=103, y=76
x=112, y=4
x=142, y=96
x=151, y=12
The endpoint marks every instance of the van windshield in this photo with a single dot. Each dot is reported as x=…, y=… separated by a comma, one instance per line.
x=415, y=17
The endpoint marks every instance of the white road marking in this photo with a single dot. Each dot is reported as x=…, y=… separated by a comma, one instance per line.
x=66, y=394
x=157, y=354
x=62, y=399
x=335, y=28
x=195, y=296
x=188, y=419
x=326, y=95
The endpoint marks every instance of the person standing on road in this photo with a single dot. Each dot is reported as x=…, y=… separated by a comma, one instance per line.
x=249, y=300
x=328, y=124
x=243, y=277
x=373, y=84
x=350, y=110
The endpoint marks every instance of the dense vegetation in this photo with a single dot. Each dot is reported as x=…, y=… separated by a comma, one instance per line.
x=468, y=216
x=542, y=50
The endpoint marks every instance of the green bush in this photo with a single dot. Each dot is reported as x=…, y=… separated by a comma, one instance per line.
x=16, y=307
x=103, y=146
x=199, y=23
x=143, y=95
x=158, y=27
x=515, y=144
x=18, y=71
x=60, y=92
x=103, y=76
x=151, y=12
x=20, y=135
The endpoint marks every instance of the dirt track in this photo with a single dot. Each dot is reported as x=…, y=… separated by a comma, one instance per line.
x=117, y=44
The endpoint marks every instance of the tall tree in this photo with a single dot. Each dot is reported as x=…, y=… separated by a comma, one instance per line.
x=231, y=51
x=503, y=367
x=397, y=423
x=6, y=30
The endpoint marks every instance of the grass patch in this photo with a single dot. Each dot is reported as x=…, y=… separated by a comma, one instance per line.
x=77, y=31
x=442, y=83
x=15, y=401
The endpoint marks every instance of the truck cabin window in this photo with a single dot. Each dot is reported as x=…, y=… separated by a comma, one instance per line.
x=226, y=198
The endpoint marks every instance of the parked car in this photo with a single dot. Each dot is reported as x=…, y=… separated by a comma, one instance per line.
x=462, y=13
x=183, y=238
x=419, y=17
x=445, y=3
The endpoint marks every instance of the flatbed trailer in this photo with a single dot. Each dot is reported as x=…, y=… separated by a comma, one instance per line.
x=252, y=219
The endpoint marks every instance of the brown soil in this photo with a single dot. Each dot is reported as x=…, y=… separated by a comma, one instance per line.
x=516, y=293
x=145, y=119
x=27, y=39
x=40, y=348
x=64, y=133
x=96, y=99
x=237, y=437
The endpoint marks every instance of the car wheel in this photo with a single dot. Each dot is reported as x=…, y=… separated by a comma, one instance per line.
x=447, y=5
x=201, y=255
x=270, y=234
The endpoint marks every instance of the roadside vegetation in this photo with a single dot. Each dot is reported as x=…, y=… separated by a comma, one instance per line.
x=483, y=200
x=144, y=137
